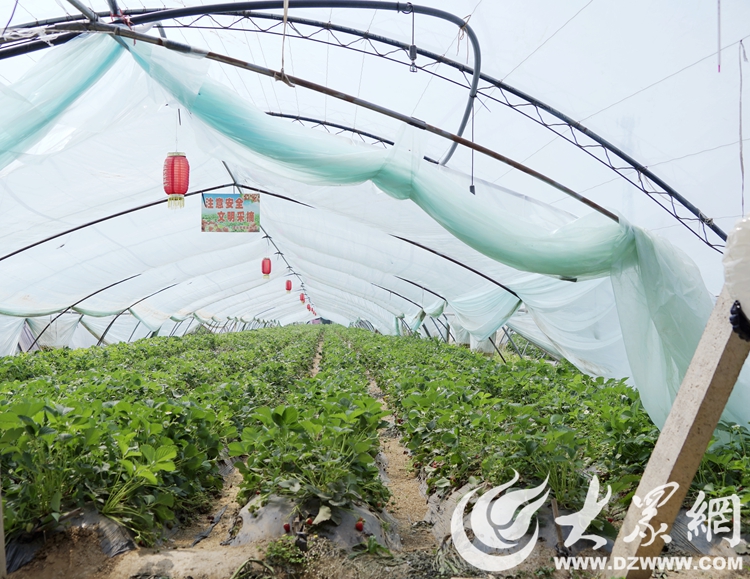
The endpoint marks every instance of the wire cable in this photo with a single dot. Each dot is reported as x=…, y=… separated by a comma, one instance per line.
x=548, y=39
x=12, y=14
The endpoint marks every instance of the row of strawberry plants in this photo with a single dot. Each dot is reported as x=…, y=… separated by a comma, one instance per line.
x=137, y=430
x=321, y=443
x=465, y=415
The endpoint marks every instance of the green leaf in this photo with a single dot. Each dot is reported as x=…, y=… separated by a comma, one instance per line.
x=236, y=449
x=164, y=453
x=128, y=465
x=293, y=485
x=148, y=452
x=164, y=465
x=148, y=475
x=54, y=502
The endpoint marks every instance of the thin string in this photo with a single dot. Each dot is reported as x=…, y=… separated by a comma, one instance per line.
x=472, y=189
x=718, y=24
x=742, y=56
x=282, y=75
x=177, y=123
x=283, y=35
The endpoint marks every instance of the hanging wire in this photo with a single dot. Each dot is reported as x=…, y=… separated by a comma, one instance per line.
x=12, y=14
x=413, y=47
x=718, y=35
x=178, y=123
x=742, y=56
x=328, y=48
x=282, y=76
x=472, y=189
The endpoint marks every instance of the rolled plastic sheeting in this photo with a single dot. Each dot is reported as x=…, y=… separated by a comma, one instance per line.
x=10, y=333
x=59, y=333
x=737, y=263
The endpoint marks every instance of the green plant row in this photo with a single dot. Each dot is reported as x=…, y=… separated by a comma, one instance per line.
x=137, y=430
x=321, y=443
x=466, y=415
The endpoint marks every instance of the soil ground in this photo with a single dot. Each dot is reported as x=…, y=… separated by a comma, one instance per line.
x=76, y=554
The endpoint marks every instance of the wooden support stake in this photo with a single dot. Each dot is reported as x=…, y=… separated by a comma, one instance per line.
x=684, y=439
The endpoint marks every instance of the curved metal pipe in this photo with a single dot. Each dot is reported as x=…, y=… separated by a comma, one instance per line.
x=638, y=167
x=403, y=7
x=53, y=320
x=117, y=31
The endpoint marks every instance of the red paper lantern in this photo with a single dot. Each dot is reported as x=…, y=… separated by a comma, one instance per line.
x=288, y=286
x=302, y=298
x=266, y=267
x=309, y=308
x=176, y=179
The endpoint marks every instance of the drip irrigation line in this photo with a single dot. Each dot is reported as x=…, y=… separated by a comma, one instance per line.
x=458, y=263
x=53, y=320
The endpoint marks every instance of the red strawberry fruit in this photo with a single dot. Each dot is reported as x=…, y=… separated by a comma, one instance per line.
x=309, y=521
x=360, y=525
x=287, y=527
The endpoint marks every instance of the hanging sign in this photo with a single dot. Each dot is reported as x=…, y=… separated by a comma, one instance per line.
x=227, y=213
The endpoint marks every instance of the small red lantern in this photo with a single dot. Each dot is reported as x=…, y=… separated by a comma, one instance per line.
x=309, y=309
x=302, y=298
x=266, y=267
x=288, y=286
x=176, y=179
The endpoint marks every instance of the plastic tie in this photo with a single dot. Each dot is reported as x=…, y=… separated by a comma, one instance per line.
x=739, y=321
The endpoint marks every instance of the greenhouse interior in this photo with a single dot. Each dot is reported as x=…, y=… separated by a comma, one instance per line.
x=481, y=317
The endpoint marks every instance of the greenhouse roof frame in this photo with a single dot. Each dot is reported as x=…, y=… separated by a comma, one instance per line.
x=561, y=124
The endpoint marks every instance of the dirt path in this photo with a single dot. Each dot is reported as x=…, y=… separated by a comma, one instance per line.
x=408, y=505
x=318, y=357
x=77, y=555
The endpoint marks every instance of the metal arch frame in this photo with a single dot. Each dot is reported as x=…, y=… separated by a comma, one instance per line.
x=562, y=125
x=145, y=17
x=401, y=7
x=342, y=129
x=121, y=32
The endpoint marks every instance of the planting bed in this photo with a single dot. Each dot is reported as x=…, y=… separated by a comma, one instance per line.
x=146, y=434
